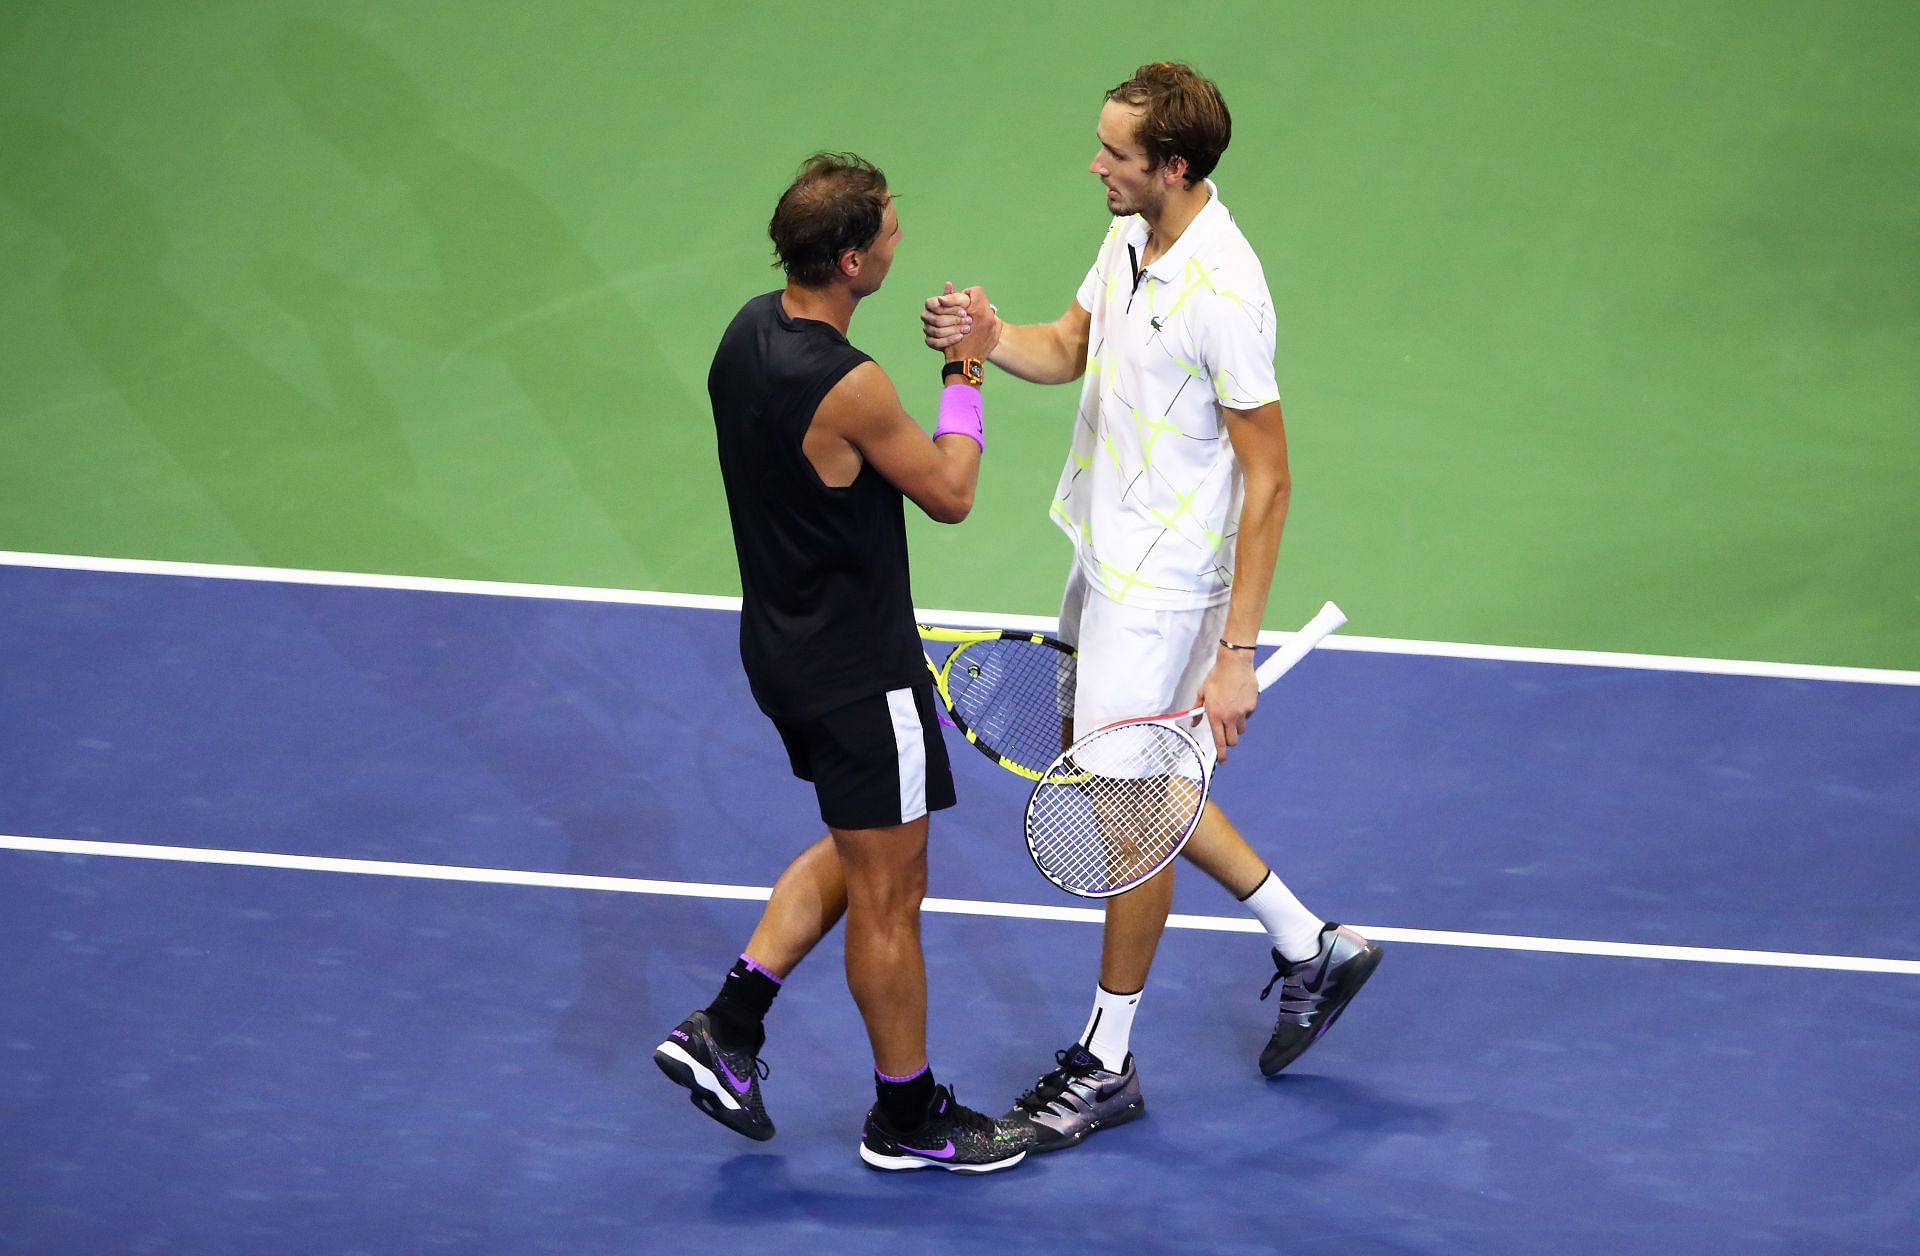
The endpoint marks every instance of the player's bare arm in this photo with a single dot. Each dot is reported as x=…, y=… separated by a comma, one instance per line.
x=1040, y=353
x=1259, y=439
x=862, y=419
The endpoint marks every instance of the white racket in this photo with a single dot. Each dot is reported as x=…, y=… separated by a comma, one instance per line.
x=1117, y=806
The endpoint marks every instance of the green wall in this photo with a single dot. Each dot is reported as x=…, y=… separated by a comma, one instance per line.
x=1600, y=322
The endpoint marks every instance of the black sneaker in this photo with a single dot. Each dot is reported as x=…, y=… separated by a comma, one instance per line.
x=1077, y=1098
x=952, y=1137
x=1315, y=991
x=724, y=1084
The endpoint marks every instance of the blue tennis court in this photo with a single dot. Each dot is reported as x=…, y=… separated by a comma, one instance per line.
x=344, y=919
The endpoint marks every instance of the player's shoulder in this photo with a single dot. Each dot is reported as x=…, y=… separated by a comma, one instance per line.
x=1232, y=269
x=859, y=400
x=750, y=317
x=1227, y=247
x=865, y=382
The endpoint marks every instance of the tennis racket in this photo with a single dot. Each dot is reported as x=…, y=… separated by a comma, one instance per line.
x=1007, y=692
x=1117, y=806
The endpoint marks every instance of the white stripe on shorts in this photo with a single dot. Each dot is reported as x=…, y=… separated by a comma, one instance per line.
x=910, y=752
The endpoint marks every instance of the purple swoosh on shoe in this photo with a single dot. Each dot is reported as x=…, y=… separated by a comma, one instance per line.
x=941, y=1153
x=739, y=1087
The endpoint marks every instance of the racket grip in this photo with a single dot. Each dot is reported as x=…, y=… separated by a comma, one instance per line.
x=1311, y=634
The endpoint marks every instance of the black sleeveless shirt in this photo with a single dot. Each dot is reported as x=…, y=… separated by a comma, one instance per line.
x=827, y=609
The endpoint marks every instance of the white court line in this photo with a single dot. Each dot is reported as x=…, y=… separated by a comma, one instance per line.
x=363, y=580
x=952, y=906
x=965, y=619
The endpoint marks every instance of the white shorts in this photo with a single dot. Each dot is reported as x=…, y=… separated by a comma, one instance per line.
x=1136, y=662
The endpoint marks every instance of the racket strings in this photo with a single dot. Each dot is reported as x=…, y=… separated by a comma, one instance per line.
x=1095, y=865
x=1117, y=809
x=1011, y=693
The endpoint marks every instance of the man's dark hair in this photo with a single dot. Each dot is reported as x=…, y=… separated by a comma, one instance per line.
x=1182, y=115
x=835, y=203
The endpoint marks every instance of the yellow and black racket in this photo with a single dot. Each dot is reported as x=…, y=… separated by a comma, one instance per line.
x=1009, y=693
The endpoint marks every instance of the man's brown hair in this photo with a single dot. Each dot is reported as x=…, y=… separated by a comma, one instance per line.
x=837, y=202
x=1183, y=115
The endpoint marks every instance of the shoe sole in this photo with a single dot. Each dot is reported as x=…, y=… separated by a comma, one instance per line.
x=898, y=1164
x=1132, y=1112
x=1363, y=969
x=707, y=1092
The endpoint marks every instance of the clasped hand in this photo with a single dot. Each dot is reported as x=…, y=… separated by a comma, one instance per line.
x=965, y=321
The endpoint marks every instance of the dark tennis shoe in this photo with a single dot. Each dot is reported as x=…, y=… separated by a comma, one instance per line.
x=723, y=1084
x=1315, y=991
x=1076, y=1099
x=953, y=1137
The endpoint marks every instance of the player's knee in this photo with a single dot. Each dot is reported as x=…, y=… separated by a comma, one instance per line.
x=890, y=893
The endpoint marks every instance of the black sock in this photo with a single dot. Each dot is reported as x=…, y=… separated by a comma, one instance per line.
x=737, y=1011
x=904, y=1102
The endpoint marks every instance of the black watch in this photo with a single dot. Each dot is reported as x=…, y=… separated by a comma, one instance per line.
x=970, y=370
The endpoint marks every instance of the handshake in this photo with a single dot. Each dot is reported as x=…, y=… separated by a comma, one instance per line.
x=961, y=324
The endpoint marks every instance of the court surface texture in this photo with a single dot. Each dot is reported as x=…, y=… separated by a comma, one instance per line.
x=344, y=919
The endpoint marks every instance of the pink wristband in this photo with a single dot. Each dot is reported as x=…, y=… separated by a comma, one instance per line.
x=960, y=414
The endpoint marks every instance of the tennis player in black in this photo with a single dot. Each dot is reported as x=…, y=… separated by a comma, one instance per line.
x=818, y=458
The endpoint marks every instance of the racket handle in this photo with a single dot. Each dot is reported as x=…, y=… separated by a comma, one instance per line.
x=1311, y=634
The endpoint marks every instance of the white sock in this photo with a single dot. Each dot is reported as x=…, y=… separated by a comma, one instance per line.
x=1294, y=929
x=1110, y=1026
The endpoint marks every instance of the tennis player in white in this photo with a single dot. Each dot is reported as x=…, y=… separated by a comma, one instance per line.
x=1174, y=494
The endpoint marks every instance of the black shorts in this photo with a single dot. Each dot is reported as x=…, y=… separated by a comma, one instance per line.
x=875, y=762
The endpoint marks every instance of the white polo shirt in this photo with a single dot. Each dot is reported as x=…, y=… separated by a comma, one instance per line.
x=1151, y=491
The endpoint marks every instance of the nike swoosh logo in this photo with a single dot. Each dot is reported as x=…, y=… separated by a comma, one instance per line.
x=936, y=1153
x=1320, y=978
x=739, y=1087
